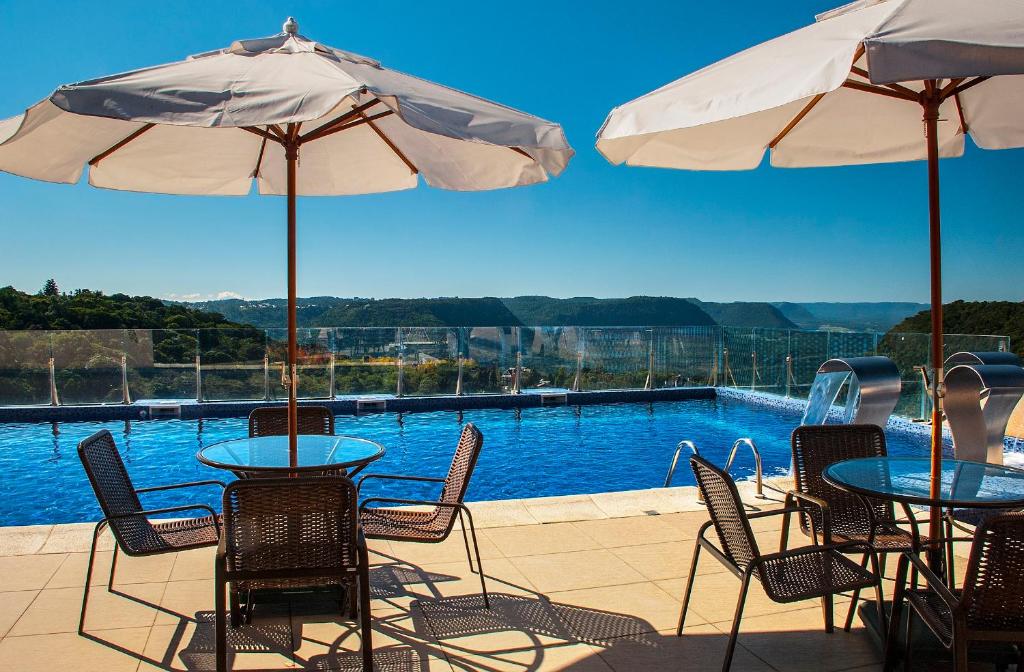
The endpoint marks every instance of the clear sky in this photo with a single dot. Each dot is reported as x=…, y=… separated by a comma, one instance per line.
x=847, y=234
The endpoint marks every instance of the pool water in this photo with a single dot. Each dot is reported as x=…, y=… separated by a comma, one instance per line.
x=535, y=452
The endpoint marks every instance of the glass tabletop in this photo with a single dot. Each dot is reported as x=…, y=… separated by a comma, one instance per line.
x=270, y=453
x=907, y=479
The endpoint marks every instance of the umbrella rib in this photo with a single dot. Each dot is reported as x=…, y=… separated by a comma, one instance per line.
x=259, y=159
x=113, y=148
x=963, y=86
x=960, y=113
x=895, y=87
x=795, y=120
x=879, y=90
x=263, y=134
x=389, y=143
x=321, y=130
x=350, y=124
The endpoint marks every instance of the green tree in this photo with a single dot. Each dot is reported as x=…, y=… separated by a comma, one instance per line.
x=50, y=288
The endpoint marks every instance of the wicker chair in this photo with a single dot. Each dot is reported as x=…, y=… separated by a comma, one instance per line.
x=434, y=525
x=815, y=447
x=788, y=576
x=990, y=607
x=273, y=421
x=284, y=533
x=134, y=533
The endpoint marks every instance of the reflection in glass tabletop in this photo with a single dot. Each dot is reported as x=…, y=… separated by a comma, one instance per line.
x=270, y=453
x=907, y=479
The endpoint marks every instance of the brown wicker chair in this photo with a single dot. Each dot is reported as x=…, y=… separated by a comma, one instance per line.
x=273, y=421
x=284, y=533
x=788, y=576
x=815, y=447
x=434, y=525
x=134, y=533
x=990, y=607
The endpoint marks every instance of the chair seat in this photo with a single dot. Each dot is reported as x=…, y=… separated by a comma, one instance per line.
x=811, y=573
x=171, y=535
x=888, y=537
x=934, y=611
x=404, y=524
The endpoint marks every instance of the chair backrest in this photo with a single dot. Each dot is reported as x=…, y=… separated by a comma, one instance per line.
x=282, y=524
x=273, y=421
x=114, y=489
x=815, y=447
x=993, y=595
x=726, y=510
x=463, y=462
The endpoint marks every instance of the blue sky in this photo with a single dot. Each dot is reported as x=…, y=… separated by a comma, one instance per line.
x=847, y=234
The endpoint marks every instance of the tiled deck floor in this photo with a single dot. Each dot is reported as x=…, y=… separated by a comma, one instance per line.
x=583, y=583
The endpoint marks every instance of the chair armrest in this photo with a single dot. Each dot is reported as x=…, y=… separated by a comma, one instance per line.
x=168, y=509
x=411, y=502
x=398, y=477
x=773, y=512
x=934, y=582
x=180, y=485
x=822, y=505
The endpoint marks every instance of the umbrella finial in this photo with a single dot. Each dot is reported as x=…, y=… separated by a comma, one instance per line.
x=291, y=26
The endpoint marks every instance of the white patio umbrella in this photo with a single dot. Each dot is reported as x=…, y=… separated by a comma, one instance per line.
x=852, y=88
x=296, y=116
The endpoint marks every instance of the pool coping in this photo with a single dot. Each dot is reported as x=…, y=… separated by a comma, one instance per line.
x=77, y=537
x=347, y=405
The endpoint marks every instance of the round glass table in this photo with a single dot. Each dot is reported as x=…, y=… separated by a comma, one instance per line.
x=964, y=484
x=268, y=455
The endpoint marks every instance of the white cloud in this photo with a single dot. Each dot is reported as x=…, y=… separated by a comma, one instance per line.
x=226, y=294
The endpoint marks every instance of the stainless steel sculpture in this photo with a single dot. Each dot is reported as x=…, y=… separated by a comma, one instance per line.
x=874, y=389
x=982, y=389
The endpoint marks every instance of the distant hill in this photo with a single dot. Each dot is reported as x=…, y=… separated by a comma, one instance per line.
x=746, y=314
x=590, y=311
x=86, y=309
x=851, y=316
x=443, y=312
x=1005, y=318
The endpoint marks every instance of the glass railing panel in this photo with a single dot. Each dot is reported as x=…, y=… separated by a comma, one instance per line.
x=615, y=357
x=24, y=368
x=737, y=360
x=314, y=362
x=429, y=360
x=549, y=356
x=88, y=366
x=365, y=360
x=232, y=364
x=685, y=356
x=808, y=351
x=490, y=361
x=161, y=363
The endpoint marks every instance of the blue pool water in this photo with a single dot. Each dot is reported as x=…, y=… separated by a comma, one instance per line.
x=539, y=452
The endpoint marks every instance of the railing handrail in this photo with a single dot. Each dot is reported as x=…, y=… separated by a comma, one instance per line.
x=758, y=470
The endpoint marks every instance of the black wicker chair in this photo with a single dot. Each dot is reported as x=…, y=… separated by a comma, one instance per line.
x=990, y=607
x=134, y=533
x=286, y=533
x=273, y=421
x=788, y=576
x=815, y=447
x=432, y=526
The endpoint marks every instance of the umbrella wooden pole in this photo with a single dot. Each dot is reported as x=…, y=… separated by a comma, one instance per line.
x=291, y=156
x=931, y=102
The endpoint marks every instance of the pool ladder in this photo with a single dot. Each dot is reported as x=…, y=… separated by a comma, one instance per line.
x=758, y=472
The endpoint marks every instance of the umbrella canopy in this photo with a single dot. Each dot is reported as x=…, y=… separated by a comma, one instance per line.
x=852, y=88
x=215, y=122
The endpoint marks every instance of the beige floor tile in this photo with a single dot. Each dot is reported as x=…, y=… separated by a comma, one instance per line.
x=631, y=503
x=194, y=564
x=665, y=561
x=680, y=499
x=540, y=539
x=57, y=610
x=614, y=532
x=151, y=569
x=75, y=538
x=398, y=585
x=700, y=648
x=687, y=523
x=596, y=615
x=23, y=539
x=519, y=658
x=714, y=597
x=563, y=509
x=45, y=653
x=12, y=606
x=501, y=513
x=572, y=571
x=28, y=572
x=185, y=599
x=452, y=549
x=797, y=640
x=266, y=644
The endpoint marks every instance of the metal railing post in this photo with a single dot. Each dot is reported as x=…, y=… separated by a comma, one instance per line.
x=266, y=377
x=789, y=375
x=126, y=397
x=516, y=381
x=753, y=370
x=54, y=399
x=579, y=371
x=649, y=384
x=199, y=380
x=685, y=443
x=400, y=382
x=758, y=473
x=458, y=381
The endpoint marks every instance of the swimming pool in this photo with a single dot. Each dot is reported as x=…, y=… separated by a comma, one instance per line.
x=533, y=452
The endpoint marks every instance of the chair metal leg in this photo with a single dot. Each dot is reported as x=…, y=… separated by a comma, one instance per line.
x=908, y=648
x=113, y=566
x=892, y=638
x=950, y=569
x=88, y=575
x=236, y=609
x=883, y=625
x=827, y=609
x=365, y=622
x=465, y=540
x=220, y=621
x=853, y=603
x=689, y=589
x=959, y=651
x=476, y=549
x=735, y=632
